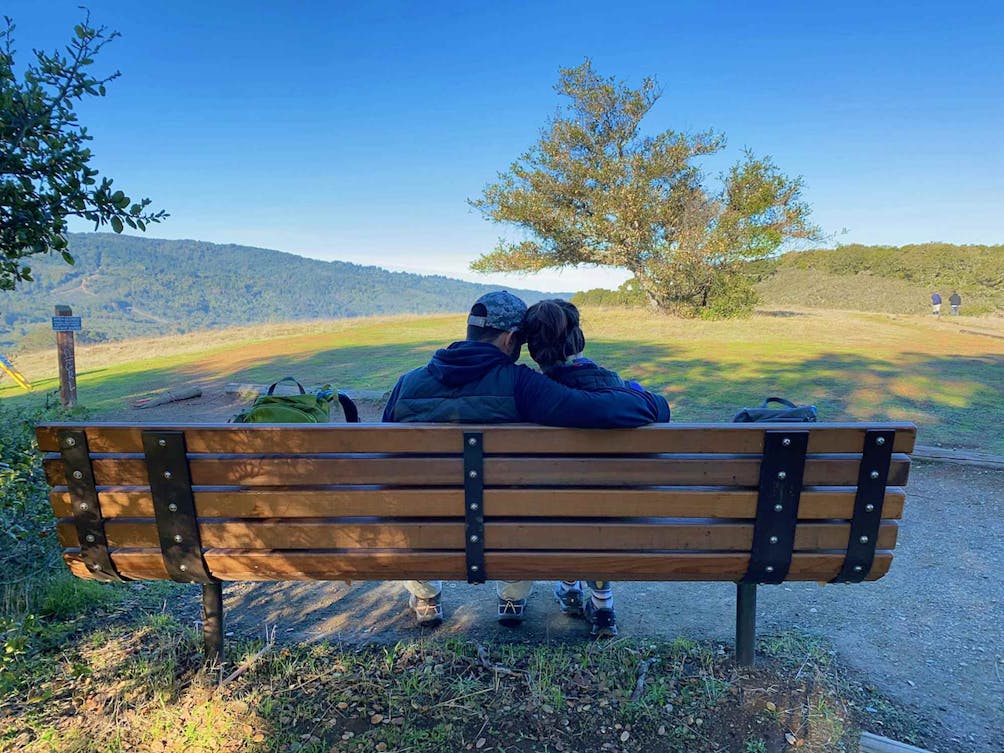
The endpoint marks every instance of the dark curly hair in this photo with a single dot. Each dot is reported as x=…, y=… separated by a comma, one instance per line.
x=552, y=333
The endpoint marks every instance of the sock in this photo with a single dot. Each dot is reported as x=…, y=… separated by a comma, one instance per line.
x=602, y=594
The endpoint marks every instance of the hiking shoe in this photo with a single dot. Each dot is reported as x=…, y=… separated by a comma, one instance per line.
x=570, y=601
x=428, y=612
x=602, y=619
x=511, y=613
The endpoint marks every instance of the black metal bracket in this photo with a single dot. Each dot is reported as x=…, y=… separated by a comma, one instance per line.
x=781, y=470
x=174, y=506
x=876, y=457
x=86, y=507
x=474, y=504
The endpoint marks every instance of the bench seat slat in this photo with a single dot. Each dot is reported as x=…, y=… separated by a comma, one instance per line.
x=628, y=536
x=431, y=438
x=831, y=470
x=820, y=503
x=260, y=566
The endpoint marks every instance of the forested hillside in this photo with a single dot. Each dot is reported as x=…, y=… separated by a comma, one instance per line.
x=125, y=286
x=868, y=278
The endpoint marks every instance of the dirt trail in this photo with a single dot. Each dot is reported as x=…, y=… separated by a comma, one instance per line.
x=929, y=635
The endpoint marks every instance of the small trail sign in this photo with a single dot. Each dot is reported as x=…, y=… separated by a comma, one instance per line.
x=66, y=324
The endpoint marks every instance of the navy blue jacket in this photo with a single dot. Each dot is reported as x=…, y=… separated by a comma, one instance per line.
x=472, y=382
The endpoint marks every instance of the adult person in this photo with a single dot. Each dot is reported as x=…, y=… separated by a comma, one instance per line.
x=936, y=304
x=477, y=380
x=555, y=339
x=955, y=300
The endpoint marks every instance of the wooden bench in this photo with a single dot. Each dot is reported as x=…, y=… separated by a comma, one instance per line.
x=749, y=503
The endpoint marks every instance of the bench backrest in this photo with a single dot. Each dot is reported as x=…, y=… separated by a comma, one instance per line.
x=383, y=502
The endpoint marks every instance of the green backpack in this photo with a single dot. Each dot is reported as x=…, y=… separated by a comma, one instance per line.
x=312, y=408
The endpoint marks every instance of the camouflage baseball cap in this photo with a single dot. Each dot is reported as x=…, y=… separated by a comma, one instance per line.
x=503, y=311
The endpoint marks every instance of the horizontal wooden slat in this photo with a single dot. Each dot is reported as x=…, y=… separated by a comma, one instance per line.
x=506, y=439
x=627, y=536
x=824, y=470
x=240, y=566
x=816, y=504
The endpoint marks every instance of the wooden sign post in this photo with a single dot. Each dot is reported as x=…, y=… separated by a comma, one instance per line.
x=64, y=324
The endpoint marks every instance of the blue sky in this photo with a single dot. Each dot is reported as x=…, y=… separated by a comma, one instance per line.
x=357, y=131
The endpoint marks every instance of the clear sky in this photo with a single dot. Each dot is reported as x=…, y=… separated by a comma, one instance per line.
x=357, y=131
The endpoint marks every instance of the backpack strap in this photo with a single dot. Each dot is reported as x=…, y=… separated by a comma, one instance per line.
x=286, y=379
x=349, y=407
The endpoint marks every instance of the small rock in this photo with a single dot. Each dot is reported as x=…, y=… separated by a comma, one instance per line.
x=343, y=705
x=376, y=719
x=624, y=736
x=661, y=730
x=480, y=743
x=771, y=706
x=790, y=738
x=911, y=683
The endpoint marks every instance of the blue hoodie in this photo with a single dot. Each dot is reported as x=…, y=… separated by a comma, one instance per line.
x=475, y=382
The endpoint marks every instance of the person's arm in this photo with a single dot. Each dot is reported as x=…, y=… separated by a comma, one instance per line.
x=543, y=401
x=388, y=411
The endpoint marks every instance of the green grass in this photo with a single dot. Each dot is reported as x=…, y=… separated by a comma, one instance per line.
x=853, y=366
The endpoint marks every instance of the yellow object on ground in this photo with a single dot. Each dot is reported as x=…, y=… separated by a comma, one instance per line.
x=17, y=376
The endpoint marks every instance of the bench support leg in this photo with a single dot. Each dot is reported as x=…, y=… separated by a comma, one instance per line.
x=745, y=623
x=212, y=621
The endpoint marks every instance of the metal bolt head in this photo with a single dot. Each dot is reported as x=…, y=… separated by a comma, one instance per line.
x=782, y=475
x=474, y=505
x=70, y=442
x=78, y=475
x=162, y=442
x=473, y=474
x=177, y=538
x=773, y=539
x=474, y=568
x=874, y=474
x=472, y=441
x=474, y=539
x=172, y=507
x=863, y=539
x=183, y=568
x=869, y=508
x=84, y=506
x=90, y=538
x=786, y=442
x=769, y=568
x=880, y=441
x=778, y=508
x=858, y=568
x=167, y=474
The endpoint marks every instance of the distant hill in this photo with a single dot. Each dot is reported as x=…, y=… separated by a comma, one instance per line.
x=887, y=279
x=125, y=286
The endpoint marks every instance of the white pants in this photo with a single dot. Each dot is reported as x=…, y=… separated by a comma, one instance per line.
x=509, y=590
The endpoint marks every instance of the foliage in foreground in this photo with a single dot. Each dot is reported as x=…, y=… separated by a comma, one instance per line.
x=129, y=678
x=45, y=172
x=594, y=190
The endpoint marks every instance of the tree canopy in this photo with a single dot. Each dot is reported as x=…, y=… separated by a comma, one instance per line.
x=45, y=173
x=595, y=190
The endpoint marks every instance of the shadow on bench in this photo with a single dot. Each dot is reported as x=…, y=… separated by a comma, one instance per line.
x=749, y=503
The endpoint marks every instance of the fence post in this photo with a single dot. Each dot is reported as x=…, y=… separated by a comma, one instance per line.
x=67, y=362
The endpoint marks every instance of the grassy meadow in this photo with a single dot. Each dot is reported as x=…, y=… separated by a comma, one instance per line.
x=945, y=375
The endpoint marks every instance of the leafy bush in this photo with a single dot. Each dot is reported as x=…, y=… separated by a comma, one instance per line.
x=731, y=297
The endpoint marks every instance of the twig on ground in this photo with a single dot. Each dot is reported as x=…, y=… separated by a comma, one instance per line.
x=639, y=686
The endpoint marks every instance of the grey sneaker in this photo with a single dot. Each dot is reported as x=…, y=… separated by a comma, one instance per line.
x=511, y=613
x=603, y=620
x=428, y=612
x=570, y=601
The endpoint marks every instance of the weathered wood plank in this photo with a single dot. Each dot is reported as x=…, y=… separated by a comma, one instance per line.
x=237, y=565
x=686, y=470
x=499, y=439
x=819, y=503
x=628, y=536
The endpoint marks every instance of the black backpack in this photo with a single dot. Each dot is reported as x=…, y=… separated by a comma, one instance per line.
x=790, y=413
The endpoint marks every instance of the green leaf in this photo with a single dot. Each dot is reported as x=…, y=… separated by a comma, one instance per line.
x=68, y=258
x=116, y=224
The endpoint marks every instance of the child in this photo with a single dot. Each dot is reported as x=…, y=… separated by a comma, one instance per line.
x=554, y=338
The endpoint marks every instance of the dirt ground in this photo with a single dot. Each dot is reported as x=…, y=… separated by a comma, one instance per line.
x=929, y=635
